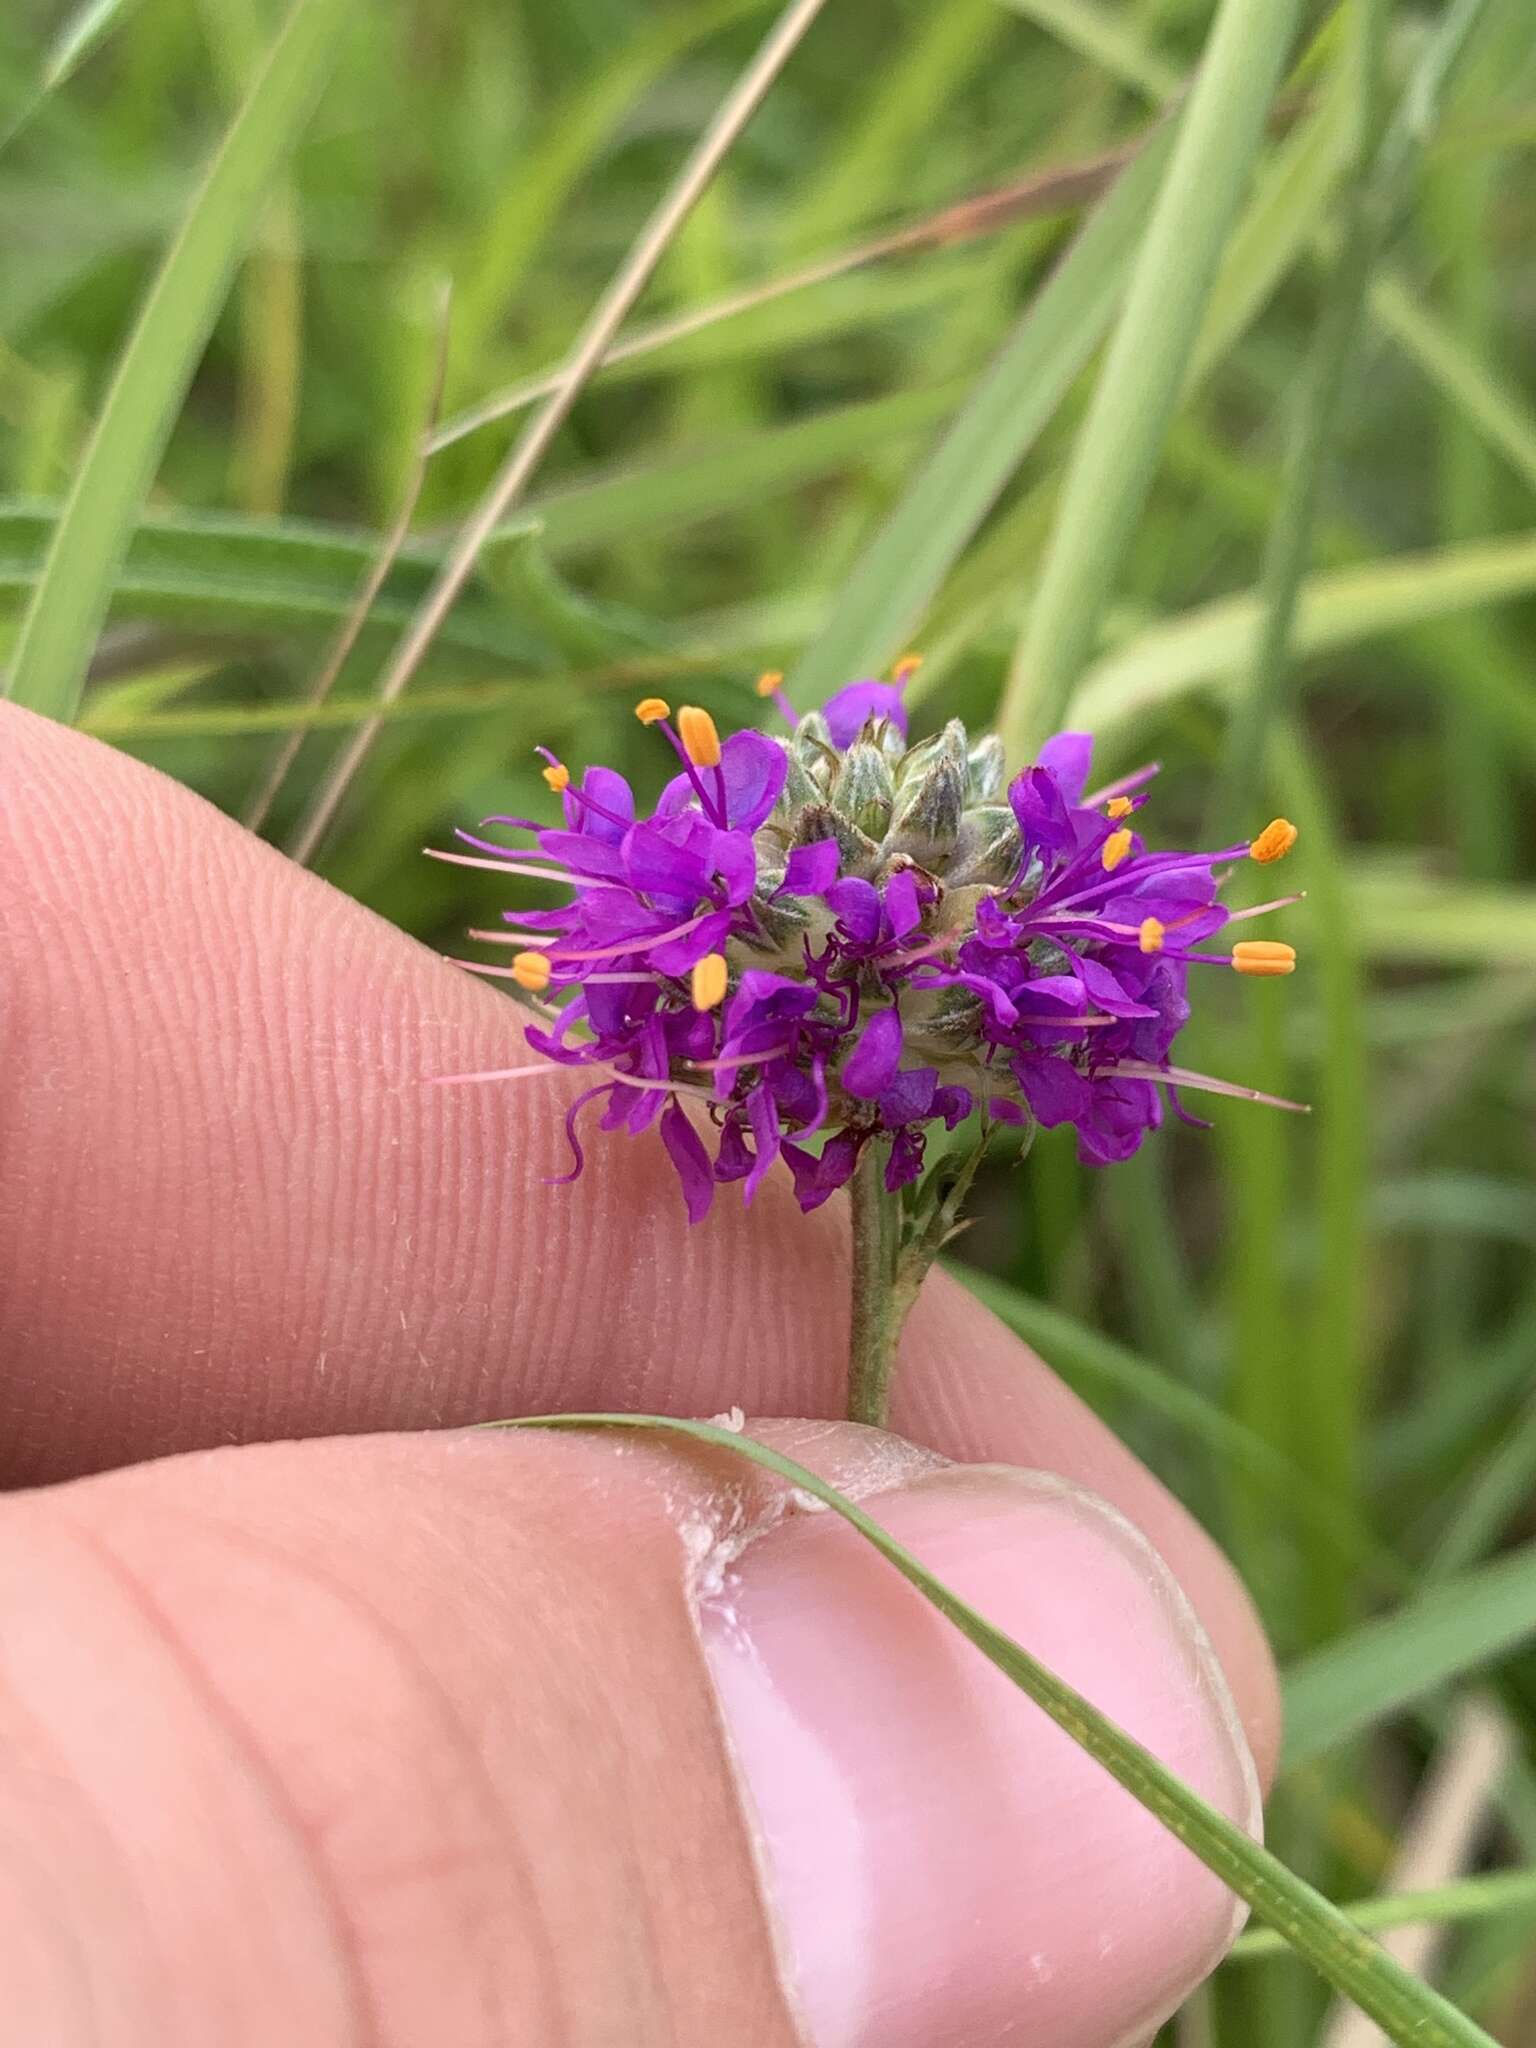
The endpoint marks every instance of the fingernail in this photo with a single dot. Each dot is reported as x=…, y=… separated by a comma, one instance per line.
x=943, y=1866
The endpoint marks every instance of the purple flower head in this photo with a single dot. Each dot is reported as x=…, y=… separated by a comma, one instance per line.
x=832, y=940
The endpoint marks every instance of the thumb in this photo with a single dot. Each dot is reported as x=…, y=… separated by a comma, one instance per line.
x=586, y=1740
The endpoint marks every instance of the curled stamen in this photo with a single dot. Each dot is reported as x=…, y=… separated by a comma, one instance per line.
x=651, y=710
x=906, y=669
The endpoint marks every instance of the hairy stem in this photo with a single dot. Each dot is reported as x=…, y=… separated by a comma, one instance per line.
x=878, y=1310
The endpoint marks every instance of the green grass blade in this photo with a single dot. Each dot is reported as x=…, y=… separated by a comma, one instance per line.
x=1309, y=1923
x=1116, y=452
x=1473, y=1898
x=76, y=38
x=1406, y=917
x=1337, y=609
x=1329, y=1382
x=1498, y=411
x=1498, y=1491
x=895, y=579
x=157, y=364
x=1391, y=1663
x=1084, y=1357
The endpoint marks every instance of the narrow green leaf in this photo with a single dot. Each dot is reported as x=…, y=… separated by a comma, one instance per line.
x=233, y=576
x=1103, y=36
x=157, y=364
x=1309, y=1923
x=1392, y=1663
x=1117, y=448
x=895, y=579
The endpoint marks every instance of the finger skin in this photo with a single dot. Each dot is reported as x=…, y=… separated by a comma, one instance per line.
x=233, y=1206
x=386, y=1741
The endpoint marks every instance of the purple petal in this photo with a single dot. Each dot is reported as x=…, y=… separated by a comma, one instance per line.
x=954, y=1105
x=901, y=902
x=659, y=866
x=906, y=1160
x=818, y=1177
x=871, y=1066
x=763, y=997
x=584, y=853
x=856, y=905
x=764, y=1114
x=735, y=1158
x=607, y=788
x=734, y=859
x=1041, y=810
x=1104, y=990
x=754, y=768
x=688, y=1155
x=1068, y=757
x=1123, y=1113
x=811, y=871
x=1054, y=1089
x=909, y=1097
x=847, y=712
x=677, y=956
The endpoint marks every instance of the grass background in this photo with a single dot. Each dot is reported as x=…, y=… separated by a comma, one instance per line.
x=1323, y=1333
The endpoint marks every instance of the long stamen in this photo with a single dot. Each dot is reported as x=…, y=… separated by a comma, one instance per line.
x=701, y=744
x=655, y=711
x=499, y=867
x=1185, y=1077
x=1263, y=909
x=770, y=685
x=1123, y=786
x=557, y=775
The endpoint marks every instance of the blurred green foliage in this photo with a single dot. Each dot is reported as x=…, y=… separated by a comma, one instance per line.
x=1346, y=1306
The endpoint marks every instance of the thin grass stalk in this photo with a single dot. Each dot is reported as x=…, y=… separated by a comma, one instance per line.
x=352, y=626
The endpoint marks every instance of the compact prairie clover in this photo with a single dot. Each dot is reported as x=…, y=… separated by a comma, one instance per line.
x=820, y=948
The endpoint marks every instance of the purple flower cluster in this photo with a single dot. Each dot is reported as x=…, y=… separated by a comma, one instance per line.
x=833, y=940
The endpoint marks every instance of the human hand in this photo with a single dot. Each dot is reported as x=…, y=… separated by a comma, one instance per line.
x=466, y=1740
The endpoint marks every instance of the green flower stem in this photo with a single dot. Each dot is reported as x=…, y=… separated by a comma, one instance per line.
x=894, y=1244
x=877, y=1309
